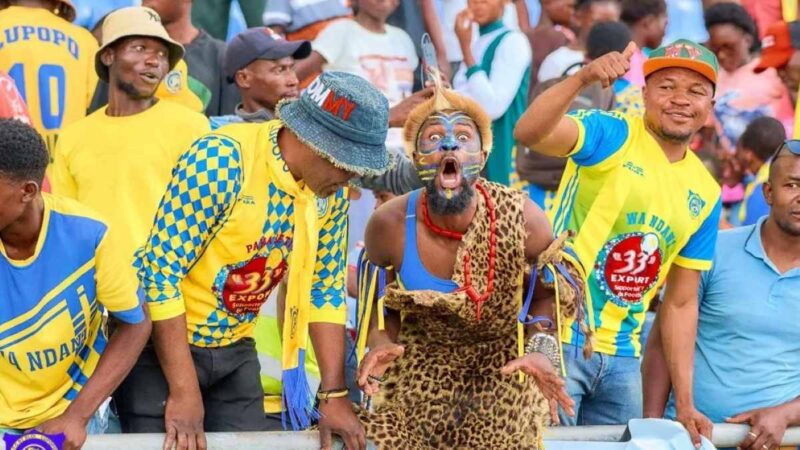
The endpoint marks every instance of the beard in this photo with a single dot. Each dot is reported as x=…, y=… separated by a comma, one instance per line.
x=439, y=204
x=130, y=90
x=667, y=135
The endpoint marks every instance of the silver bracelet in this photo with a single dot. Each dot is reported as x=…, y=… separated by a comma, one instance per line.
x=547, y=345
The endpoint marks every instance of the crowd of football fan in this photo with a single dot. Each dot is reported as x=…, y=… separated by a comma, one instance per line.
x=108, y=294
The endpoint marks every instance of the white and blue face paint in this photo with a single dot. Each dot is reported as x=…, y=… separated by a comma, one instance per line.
x=449, y=159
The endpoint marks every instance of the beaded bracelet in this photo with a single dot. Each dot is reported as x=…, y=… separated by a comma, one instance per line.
x=332, y=393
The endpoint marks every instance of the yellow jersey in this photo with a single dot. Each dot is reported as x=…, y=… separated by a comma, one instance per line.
x=52, y=63
x=634, y=214
x=119, y=166
x=224, y=232
x=51, y=311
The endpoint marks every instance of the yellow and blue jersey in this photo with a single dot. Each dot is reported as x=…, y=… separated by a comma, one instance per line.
x=634, y=214
x=51, y=311
x=223, y=234
x=52, y=64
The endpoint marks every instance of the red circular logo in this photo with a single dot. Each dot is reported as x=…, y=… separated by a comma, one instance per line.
x=632, y=263
x=246, y=288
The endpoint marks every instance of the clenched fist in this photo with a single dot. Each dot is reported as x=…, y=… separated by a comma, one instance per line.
x=608, y=68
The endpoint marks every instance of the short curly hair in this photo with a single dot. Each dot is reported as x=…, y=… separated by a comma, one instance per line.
x=23, y=154
x=732, y=14
x=635, y=10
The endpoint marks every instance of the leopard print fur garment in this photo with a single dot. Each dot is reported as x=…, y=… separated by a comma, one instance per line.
x=446, y=391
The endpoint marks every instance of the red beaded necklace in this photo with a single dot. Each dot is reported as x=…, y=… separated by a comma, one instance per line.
x=473, y=295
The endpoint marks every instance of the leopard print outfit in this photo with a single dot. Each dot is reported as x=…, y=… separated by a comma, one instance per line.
x=446, y=391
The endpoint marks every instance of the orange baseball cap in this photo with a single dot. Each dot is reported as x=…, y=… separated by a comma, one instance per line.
x=781, y=40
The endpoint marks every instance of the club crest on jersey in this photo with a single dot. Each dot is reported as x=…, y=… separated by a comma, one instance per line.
x=696, y=205
x=322, y=207
x=628, y=267
x=173, y=81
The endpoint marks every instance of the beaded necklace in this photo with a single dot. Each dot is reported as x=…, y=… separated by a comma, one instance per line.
x=473, y=295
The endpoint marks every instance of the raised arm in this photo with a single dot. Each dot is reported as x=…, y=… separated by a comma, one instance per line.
x=544, y=127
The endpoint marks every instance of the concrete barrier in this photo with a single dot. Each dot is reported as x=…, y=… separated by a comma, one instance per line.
x=725, y=435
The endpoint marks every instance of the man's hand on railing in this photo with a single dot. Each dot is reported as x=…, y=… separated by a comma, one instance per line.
x=696, y=424
x=337, y=417
x=767, y=427
x=183, y=419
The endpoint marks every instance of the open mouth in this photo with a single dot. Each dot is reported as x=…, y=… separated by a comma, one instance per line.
x=449, y=173
x=150, y=77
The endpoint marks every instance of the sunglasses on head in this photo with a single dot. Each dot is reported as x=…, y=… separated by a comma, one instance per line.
x=793, y=145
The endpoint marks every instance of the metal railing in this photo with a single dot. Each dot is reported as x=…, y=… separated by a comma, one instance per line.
x=725, y=435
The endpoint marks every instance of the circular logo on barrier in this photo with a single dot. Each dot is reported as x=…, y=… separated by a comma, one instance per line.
x=173, y=81
x=35, y=441
x=628, y=267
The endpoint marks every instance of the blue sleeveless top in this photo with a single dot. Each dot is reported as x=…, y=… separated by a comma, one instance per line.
x=413, y=276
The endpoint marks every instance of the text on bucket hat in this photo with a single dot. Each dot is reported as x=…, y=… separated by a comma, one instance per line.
x=343, y=118
x=685, y=54
x=135, y=21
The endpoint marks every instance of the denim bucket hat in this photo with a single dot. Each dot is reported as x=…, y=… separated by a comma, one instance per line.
x=344, y=119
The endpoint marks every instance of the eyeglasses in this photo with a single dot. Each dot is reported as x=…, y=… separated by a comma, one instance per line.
x=793, y=145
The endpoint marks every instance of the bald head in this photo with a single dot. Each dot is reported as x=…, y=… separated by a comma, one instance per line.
x=782, y=191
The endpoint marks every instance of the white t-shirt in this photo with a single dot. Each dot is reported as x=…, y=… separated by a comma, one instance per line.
x=387, y=60
x=557, y=62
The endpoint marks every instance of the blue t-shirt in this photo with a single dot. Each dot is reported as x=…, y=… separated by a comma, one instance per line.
x=748, y=341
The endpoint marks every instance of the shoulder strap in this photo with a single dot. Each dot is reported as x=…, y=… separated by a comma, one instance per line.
x=488, y=57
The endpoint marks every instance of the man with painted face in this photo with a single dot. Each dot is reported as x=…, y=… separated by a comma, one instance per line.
x=446, y=349
x=645, y=211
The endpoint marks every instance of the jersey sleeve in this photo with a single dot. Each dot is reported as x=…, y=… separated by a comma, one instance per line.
x=117, y=287
x=201, y=194
x=328, y=288
x=698, y=252
x=601, y=134
x=59, y=175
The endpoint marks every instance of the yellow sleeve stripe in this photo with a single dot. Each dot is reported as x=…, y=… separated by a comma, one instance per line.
x=693, y=264
x=581, y=136
x=328, y=314
x=165, y=310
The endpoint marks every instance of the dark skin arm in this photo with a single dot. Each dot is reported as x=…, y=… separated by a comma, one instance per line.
x=544, y=127
x=388, y=220
x=768, y=424
x=183, y=415
x=655, y=375
x=337, y=416
x=536, y=364
x=305, y=67
x=115, y=363
x=678, y=325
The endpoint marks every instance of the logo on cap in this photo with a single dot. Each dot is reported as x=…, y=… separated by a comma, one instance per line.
x=326, y=98
x=768, y=41
x=674, y=51
x=268, y=31
x=153, y=16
